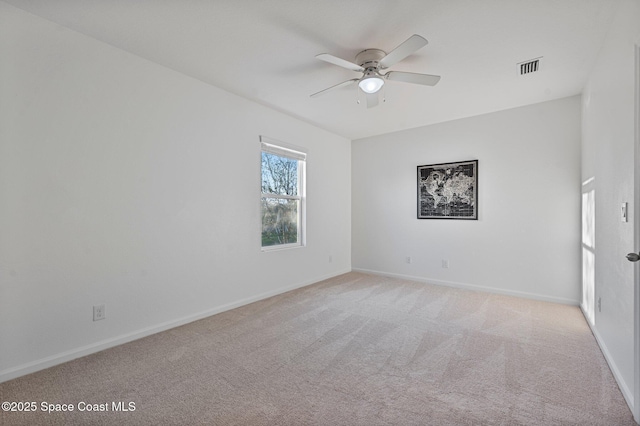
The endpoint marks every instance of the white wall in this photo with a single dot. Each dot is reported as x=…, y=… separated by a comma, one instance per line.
x=607, y=162
x=128, y=184
x=526, y=241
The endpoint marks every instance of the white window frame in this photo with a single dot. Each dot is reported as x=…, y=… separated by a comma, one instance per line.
x=273, y=146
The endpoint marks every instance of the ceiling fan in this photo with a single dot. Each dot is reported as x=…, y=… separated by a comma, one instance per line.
x=371, y=61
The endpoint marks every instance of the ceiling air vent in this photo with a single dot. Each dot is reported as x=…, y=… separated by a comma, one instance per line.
x=530, y=66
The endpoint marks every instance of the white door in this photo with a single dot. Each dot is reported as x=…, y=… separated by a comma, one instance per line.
x=636, y=202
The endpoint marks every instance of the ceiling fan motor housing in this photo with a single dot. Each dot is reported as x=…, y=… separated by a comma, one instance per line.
x=370, y=58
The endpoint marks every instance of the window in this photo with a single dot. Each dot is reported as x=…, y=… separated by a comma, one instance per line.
x=282, y=195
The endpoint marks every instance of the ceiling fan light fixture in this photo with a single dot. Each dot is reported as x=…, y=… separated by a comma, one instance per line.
x=371, y=83
x=371, y=62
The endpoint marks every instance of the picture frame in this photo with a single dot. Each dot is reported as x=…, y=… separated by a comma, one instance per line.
x=448, y=190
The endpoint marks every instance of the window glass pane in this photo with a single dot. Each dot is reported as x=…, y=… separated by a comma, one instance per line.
x=279, y=221
x=279, y=175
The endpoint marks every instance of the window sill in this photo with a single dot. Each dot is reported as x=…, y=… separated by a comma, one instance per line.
x=281, y=247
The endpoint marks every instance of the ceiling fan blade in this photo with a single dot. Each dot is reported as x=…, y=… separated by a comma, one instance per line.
x=405, y=49
x=372, y=99
x=411, y=77
x=339, y=62
x=344, y=83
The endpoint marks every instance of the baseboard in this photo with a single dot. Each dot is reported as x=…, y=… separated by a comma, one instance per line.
x=473, y=287
x=628, y=395
x=72, y=354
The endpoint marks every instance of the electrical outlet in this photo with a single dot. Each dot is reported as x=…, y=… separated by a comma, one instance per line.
x=445, y=264
x=330, y=258
x=599, y=304
x=98, y=312
x=408, y=259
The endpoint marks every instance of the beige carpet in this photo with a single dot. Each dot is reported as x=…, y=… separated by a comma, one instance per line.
x=353, y=350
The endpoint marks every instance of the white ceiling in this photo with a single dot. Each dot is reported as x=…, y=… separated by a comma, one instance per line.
x=264, y=50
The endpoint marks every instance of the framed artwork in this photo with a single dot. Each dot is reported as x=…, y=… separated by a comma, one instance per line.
x=448, y=191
